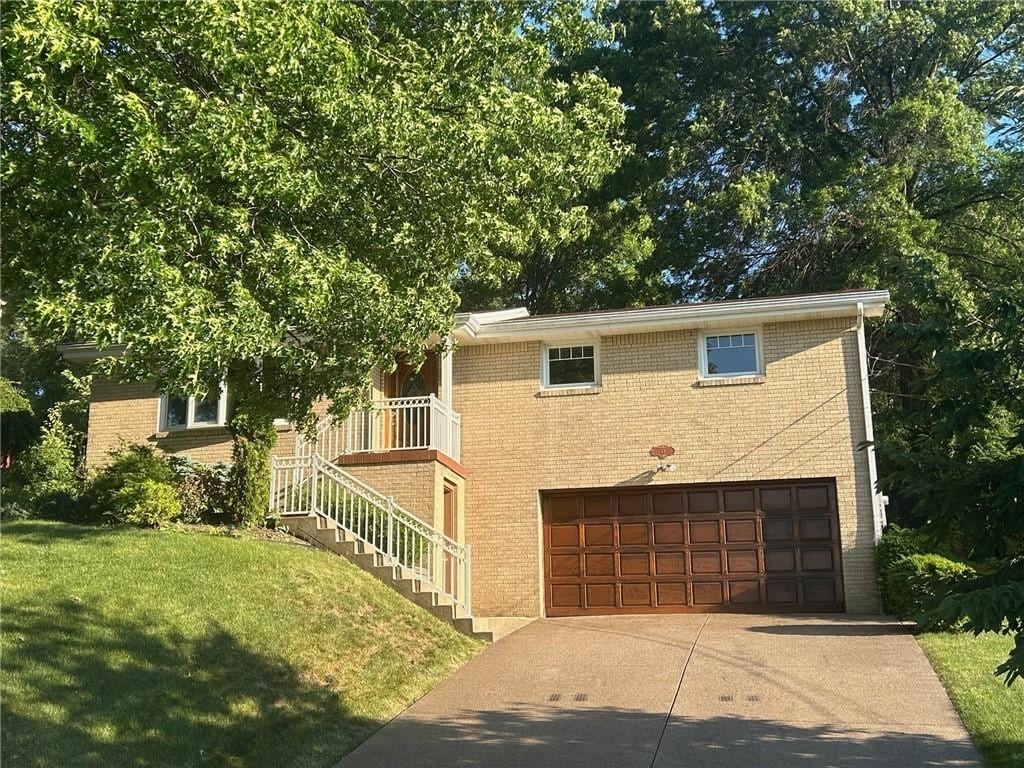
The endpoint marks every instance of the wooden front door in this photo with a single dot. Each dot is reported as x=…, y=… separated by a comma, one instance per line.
x=409, y=428
x=768, y=546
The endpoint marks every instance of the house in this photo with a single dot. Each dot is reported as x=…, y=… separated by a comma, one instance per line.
x=695, y=457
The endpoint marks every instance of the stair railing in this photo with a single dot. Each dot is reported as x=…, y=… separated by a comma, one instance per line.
x=312, y=485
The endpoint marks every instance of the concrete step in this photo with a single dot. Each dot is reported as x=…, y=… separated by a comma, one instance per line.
x=326, y=534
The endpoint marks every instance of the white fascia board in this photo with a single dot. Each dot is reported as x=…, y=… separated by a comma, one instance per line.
x=644, y=320
x=75, y=352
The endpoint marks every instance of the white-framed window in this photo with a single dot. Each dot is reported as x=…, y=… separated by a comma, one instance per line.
x=181, y=412
x=575, y=364
x=736, y=353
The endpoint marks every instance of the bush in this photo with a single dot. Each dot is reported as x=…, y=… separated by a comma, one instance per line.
x=897, y=543
x=915, y=583
x=118, y=491
x=146, y=503
x=202, y=488
x=42, y=479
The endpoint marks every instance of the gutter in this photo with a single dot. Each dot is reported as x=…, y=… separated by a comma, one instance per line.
x=474, y=328
x=877, y=499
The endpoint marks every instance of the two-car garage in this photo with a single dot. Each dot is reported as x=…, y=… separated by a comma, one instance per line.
x=765, y=546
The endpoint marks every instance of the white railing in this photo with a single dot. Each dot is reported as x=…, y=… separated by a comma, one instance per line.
x=394, y=424
x=312, y=485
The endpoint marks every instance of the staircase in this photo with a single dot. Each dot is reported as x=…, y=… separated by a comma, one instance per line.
x=325, y=505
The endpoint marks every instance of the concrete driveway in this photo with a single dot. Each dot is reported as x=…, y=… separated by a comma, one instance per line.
x=720, y=691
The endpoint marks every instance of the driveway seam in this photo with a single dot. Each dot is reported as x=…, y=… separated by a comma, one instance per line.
x=679, y=687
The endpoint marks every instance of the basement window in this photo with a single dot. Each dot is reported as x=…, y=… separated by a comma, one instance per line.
x=181, y=412
x=570, y=366
x=730, y=354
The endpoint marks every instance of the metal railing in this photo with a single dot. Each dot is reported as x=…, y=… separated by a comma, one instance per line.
x=311, y=485
x=393, y=424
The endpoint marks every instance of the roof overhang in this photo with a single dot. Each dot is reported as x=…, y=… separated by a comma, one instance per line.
x=516, y=325
x=76, y=352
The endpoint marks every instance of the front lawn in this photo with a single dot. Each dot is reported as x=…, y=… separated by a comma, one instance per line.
x=129, y=647
x=993, y=713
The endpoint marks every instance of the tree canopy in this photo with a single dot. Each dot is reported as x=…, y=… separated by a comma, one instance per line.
x=281, y=194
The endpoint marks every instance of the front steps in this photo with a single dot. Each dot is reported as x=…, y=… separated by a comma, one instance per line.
x=325, y=533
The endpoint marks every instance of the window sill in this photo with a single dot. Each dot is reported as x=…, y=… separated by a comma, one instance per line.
x=591, y=389
x=201, y=428
x=726, y=381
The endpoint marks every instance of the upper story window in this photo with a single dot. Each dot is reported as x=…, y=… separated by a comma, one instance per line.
x=730, y=354
x=570, y=366
x=180, y=412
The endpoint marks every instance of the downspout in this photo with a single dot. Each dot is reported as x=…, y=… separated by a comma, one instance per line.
x=877, y=500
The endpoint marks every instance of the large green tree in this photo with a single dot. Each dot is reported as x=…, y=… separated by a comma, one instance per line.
x=278, y=195
x=790, y=146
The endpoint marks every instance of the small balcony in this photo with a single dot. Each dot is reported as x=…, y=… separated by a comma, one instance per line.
x=391, y=424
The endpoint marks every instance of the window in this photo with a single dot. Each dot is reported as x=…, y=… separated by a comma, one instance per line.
x=733, y=354
x=570, y=366
x=180, y=412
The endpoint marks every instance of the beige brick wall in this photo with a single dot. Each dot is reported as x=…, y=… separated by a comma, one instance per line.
x=804, y=420
x=129, y=412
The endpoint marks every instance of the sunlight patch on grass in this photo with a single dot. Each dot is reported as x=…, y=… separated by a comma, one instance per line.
x=992, y=712
x=162, y=648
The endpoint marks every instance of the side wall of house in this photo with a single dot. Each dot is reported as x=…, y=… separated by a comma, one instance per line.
x=803, y=420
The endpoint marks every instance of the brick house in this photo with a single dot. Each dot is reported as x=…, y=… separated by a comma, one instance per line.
x=679, y=458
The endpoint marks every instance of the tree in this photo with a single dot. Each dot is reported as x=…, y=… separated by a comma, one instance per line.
x=783, y=147
x=278, y=195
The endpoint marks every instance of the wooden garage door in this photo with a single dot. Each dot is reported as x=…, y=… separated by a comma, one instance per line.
x=770, y=546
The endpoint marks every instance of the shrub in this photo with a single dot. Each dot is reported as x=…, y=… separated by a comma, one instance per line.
x=146, y=503
x=43, y=476
x=202, y=488
x=249, y=484
x=897, y=543
x=917, y=582
x=116, y=492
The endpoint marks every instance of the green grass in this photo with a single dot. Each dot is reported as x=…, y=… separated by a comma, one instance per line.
x=157, y=648
x=993, y=713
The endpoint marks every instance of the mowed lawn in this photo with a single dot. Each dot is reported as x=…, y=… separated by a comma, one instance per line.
x=156, y=648
x=993, y=713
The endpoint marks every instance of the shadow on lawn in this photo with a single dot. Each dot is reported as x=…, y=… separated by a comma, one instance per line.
x=129, y=697
x=583, y=736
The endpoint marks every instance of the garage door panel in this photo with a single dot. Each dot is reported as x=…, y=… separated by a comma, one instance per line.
x=777, y=529
x=739, y=501
x=669, y=563
x=706, y=562
x=813, y=497
x=600, y=595
x=701, y=501
x=668, y=503
x=744, y=592
x=598, y=534
x=671, y=593
x=564, y=565
x=704, y=532
x=564, y=535
x=815, y=528
x=708, y=593
x=634, y=535
x=597, y=506
x=599, y=564
x=741, y=561
x=771, y=546
x=668, y=533
x=740, y=531
x=636, y=594
x=635, y=564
